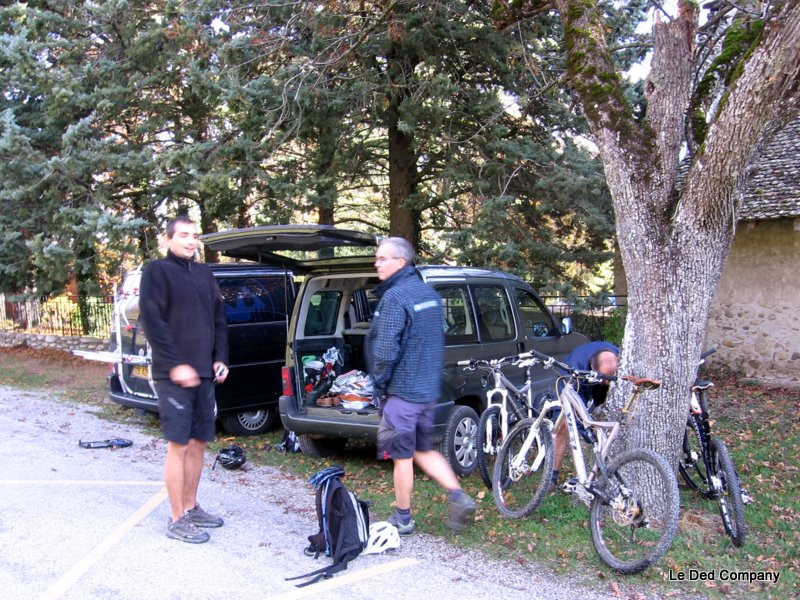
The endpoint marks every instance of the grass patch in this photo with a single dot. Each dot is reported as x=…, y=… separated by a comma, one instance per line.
x=759, y=426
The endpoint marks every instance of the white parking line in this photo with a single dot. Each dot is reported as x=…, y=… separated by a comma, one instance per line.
x=81, y=482
x=70, y=577
x=340, y=580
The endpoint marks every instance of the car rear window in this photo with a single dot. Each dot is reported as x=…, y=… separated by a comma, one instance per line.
x=323, y=310
x=253, y=299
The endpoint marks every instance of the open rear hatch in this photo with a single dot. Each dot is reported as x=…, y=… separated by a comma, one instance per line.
x=300, y=248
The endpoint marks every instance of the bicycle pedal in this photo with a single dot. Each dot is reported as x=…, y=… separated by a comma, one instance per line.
x=570, y=486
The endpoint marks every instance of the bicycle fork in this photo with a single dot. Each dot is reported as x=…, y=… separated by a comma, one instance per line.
x=533, y=435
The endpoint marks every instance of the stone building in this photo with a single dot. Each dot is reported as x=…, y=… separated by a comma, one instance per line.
x=755, y=317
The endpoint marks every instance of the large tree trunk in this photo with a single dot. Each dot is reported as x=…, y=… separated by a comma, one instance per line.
x=674, y=237
x=325, y=188
x=403, y=218
x=403, y=173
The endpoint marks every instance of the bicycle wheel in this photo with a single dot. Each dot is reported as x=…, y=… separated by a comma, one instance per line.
x=692, y=467
x=635, y=527
x=729, y=497
x=518, y=490
x=488, y=442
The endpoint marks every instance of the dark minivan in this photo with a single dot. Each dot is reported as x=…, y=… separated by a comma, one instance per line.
x=488, y=314
x=257, y=301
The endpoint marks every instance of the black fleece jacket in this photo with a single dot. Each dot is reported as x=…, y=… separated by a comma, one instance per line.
x=183, y=316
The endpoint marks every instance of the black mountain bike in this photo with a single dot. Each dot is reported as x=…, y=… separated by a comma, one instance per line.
x=706, y=465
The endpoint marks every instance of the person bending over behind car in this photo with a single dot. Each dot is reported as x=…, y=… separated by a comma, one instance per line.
x=602, y=357
x=184, y=320
x=405, y=349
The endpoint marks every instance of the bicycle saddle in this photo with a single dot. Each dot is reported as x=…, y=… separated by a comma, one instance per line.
x=643, y=382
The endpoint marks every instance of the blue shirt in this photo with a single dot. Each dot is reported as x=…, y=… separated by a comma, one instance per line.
x=581, y=358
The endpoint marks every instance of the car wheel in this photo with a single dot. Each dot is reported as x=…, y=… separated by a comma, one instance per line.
x=254, y=422
x=459, y=444
x=320, y=447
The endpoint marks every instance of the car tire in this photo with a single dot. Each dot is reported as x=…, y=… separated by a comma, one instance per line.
x=320, y=447
x=253, y=422
x=459, y=443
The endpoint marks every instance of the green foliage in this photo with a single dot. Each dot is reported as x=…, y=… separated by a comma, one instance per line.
x=614, y=325
x=739, y=40
x=117, y=114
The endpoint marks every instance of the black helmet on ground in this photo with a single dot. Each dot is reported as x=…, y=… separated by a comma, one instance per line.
x=231, y=457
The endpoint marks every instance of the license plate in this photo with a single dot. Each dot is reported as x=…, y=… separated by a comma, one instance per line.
x=140, y=371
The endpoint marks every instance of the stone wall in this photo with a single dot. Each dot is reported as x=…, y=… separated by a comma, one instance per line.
x=55, y=342
x=755, y=317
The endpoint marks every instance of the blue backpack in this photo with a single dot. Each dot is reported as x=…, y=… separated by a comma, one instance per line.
x=343, y=524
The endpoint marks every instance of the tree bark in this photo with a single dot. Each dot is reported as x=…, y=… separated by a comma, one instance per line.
x=325, y=187
x=674, y=240
x=403, y=174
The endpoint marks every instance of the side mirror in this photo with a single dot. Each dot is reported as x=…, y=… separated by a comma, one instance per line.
x=566, y=326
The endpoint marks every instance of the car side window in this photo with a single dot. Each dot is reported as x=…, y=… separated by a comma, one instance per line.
x=323, y=311
x=536, y=321
x=459, y=322
x=253, y=299
x=495, y=317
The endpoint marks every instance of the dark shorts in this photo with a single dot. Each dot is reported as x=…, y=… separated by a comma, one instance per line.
x=186, y=413
x=405, y=427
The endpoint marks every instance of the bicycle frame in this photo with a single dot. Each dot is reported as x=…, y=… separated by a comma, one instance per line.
x=502, y=386
x=573, y=410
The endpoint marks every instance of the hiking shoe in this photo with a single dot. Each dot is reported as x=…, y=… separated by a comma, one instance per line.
x=460, y=509
x=184, y=530
x=403, y=529
x=202, y=519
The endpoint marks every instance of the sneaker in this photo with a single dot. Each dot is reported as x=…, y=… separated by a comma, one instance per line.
x=746, y=498
x=404, y=529
x=184, y=530
x=202, y=519
x=460, y=509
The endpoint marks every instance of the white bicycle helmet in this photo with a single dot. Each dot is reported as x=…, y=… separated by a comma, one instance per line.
x=383, y=536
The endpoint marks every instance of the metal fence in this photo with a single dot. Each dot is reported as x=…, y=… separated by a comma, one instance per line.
x=65, y=315
x=69, y=316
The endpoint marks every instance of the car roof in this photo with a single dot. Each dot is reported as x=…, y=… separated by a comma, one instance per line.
x=460, y=272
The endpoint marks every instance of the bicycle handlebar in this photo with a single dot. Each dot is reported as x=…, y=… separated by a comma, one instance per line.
x=514, y=359
x=551, y=362
x=707, y=353
x=532, y=357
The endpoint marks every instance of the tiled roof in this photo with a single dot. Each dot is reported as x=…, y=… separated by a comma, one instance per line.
x=774, y=187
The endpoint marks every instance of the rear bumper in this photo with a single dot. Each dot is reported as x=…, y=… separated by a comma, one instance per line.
x=118, y=395
x=293, y=420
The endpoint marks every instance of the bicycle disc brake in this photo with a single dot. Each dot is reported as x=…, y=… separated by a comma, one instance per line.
x=626, y=509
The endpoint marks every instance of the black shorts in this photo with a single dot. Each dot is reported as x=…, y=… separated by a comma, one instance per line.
x=186, y=413
x=405, y=428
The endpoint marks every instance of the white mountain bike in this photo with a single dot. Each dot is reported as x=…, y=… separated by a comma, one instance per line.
x=633, y=497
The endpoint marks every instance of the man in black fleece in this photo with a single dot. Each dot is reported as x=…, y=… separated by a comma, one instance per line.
x=184, y=321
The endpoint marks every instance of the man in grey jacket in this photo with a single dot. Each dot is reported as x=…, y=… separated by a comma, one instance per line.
x=405, y=349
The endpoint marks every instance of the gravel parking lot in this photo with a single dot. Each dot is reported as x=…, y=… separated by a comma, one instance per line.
x=78, y=523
